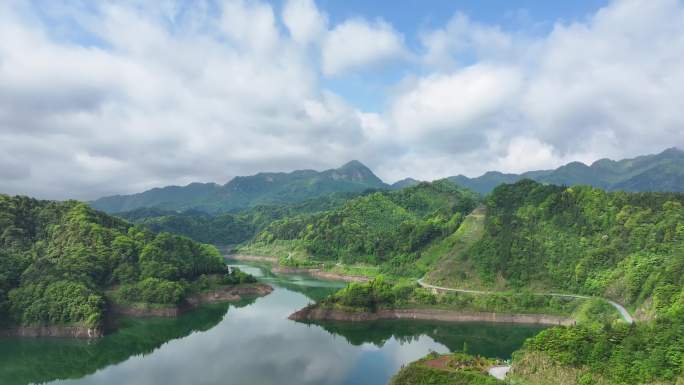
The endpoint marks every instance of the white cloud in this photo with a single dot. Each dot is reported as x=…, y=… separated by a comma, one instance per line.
x=218, y=97
x=462, y=39
x=620, y=76
x=357, y=43
x=127, y=96
x=609, y=86
x=452, y=104
x=304, y=21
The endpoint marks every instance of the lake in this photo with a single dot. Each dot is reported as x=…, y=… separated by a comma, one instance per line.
x=251, y=342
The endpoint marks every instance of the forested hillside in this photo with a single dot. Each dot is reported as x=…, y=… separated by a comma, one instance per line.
x=388, y=228
x=268, y=188
x=625, y=246
x=229, y=228
x=58, y=258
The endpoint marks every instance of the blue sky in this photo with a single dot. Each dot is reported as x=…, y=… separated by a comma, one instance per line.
x=121, y=96
x=409, y=17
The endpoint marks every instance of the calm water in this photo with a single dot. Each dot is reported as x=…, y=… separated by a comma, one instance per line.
x=252, y=342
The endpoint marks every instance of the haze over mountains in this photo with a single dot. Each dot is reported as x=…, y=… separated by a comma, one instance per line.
x=659, y=172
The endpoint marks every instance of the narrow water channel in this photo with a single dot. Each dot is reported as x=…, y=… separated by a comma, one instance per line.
x=251, y=342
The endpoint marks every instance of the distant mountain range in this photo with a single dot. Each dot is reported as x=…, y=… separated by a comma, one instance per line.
x=241, y=192
x=660, y=172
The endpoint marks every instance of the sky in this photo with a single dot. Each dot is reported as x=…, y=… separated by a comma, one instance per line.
x=115, y=97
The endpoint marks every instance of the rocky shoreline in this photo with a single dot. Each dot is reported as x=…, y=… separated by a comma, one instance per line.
x=222, y=294
x=63, y=331
x=315, y=313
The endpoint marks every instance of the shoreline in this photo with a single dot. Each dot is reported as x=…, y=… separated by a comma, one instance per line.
x=321, y=274
x=55, y=331
x=221, y=294
x=314, y=272
x=251, y=258
x=313, y=313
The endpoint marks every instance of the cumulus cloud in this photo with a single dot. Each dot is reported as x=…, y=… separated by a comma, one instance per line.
x=109, y=98
x=607, y=86
x=215, y=97
x=453, y=104
x=358, y=43
x=462, y=39
x=304, y=21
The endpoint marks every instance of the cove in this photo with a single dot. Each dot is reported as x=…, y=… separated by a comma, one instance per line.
x=250, y=342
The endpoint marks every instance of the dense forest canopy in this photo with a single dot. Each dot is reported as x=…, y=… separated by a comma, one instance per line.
x=230, y=228
x=385, y=227
x=625, y=246
x=58, y=258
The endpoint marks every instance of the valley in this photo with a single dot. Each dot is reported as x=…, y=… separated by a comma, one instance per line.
x=596, y=275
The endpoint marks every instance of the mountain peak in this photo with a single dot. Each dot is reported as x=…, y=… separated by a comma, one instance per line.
x=353, y=164
x=673, y=151
x=406, y=182
x=357, y=172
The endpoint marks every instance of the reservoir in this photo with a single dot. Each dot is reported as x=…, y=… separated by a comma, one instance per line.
x=251, y=342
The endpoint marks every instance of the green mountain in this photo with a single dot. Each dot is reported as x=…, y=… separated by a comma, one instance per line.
x=248, y=191
x=388, y=228
x=582, y=239
x=229, y=228
x=57, y=260
x=628, y=247
x=660, y=172
x=406, y=182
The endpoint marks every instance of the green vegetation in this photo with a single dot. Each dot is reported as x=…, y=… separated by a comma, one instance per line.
x=453, y=369
x=660, y=172
x=628, y=247
x=624, y=246
x=380, y=293
x=229, y=228
x=57, y=259
x=248, y=191
x=446, y=261
x=645, y=353
x=390, y=229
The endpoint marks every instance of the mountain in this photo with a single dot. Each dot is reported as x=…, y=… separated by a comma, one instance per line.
x=659, y=172
x=389, y=228
x=627, y=247
x=406, y=182
x=247, y=191
x=485, y=183
x=230, y=228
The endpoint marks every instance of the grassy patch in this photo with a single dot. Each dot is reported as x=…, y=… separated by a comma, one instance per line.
x=449, y=369
x=446, y=260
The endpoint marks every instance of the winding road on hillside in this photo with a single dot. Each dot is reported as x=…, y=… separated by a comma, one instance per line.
x=623, y=312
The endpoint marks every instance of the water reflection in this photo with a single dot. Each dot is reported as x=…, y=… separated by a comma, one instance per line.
x=25, y=360
x=490, y=340
x=254, y=344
